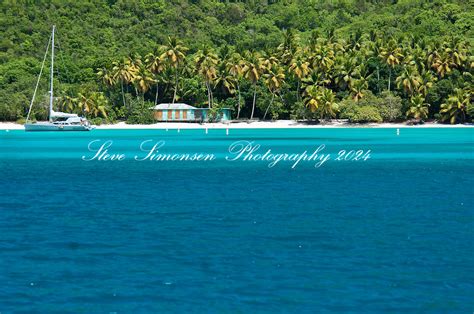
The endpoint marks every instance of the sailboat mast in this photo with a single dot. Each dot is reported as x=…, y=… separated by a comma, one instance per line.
x=52, y=70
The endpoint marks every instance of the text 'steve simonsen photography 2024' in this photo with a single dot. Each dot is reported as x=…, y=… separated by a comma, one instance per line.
x=285, y=156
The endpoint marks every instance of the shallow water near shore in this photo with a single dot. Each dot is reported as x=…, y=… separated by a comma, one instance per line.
x=392, y=233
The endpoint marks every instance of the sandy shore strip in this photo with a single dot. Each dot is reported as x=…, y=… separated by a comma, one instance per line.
x=254, y=125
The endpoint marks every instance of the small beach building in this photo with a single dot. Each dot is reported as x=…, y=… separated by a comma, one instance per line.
x=186, y=113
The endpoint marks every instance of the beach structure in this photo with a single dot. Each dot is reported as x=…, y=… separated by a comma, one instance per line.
x=186, y=113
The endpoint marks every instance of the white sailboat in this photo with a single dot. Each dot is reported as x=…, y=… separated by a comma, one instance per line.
x=57, y=121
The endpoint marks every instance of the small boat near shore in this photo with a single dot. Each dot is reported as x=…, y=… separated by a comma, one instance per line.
x=57, y=121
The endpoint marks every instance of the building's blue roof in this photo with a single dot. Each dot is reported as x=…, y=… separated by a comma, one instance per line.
x=179, y=106
x=175, y=106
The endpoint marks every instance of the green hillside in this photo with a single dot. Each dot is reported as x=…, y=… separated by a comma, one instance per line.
x=361, y=60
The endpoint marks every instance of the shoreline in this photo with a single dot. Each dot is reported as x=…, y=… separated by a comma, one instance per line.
x=279, y=124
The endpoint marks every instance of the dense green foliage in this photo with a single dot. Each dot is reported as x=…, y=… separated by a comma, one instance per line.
x=373, y=60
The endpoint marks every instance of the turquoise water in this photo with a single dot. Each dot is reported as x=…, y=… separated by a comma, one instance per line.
x=391, y=233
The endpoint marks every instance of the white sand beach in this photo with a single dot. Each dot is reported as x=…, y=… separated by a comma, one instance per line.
x=255, y=125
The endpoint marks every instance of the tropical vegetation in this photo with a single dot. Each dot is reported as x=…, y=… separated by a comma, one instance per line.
x=365, y=61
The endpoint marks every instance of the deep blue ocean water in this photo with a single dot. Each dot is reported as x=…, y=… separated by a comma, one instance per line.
x=391, y=234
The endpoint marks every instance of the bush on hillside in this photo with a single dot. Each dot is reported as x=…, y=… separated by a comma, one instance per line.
x=365, y=114
x=140, y=112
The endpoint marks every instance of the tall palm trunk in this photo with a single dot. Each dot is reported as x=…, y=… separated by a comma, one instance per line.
x=166, y=89
x=208, y=95
x=156, y=95
x=389, y=77
x=212, y=96
x=254, y=99
x=298, y=91
x=123, y=93
x=175, y=84
x=378, y=80
x=282, y=100
x=271, y=102
x=238, y=108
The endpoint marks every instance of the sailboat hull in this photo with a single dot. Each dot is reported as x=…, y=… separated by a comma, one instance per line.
x=38, y=127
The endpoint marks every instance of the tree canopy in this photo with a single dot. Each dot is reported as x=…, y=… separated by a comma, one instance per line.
x=278, y=59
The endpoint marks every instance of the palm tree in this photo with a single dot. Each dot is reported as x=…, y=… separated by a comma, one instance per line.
x=84, y=103
x=234, y=66
x=355, y=40
x=124, y=73
x=358, y=88
x=206, y=62
x=455, y=108
x=299, y=68
x=274, y=80
x=457, y=50
x=156, y=65
x=98, y=105
x=253, y=70
x=322, y=60
x=315, y=78
x=392, y=55
x=143, y=81
x=470, y=110
x=311, y=97
x=135, y=61
x=106, y=76
x=174, y=54
x=321, y=100
x=225, y=79
x=344, y=71
x=409, y=80
x=289, y=47
x=323, y=57
x=416, y=57
x=93, y=105
x=418, y=108
x=426, y=82
x=67, y=104
x=362, y=72
x=269, y=61
x=327, y=102
x=442, y=62
x=313, y=39
x=376, y=48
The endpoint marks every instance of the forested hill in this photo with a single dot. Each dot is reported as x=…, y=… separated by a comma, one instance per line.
x=93, y=34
